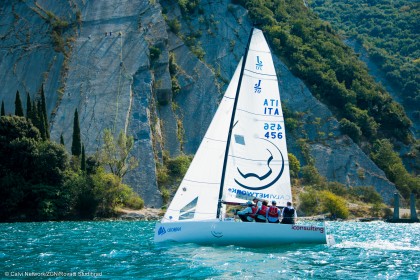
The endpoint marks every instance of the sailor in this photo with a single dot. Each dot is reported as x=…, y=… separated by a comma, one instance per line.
x=247, y=214
x=289, y=214
x=261, y=212
x=273, y=213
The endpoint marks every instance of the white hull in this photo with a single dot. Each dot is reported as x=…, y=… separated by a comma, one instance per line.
x=217, y=232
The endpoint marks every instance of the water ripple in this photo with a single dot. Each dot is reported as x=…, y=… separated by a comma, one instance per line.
x=363, y=251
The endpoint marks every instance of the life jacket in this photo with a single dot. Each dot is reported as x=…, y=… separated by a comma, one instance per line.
x=288, y=213
x=263, y=210
x=254, y=211
x=273, y=211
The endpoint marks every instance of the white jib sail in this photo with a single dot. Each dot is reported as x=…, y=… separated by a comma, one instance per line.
x=197, y=195
x=258, y=164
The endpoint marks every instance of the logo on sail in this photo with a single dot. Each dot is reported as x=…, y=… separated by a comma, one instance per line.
x=257, y=87
x=269, y=171
x=259, y=64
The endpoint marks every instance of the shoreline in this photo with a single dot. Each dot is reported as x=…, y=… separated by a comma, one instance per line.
x=155, y=214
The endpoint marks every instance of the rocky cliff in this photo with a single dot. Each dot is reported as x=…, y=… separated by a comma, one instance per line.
x=116, y=62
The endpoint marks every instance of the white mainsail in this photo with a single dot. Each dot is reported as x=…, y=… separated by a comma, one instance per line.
x=257, y=164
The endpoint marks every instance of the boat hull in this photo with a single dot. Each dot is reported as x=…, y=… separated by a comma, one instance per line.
x=238, y=233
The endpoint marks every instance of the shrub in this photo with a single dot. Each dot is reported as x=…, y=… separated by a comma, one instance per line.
x=311, y=176
x=165, y=195
x=351, y=129
x=376, y=209
x=131, y=199
x=178, y=166
x=175, y=26
x=366, y=194
x=337, y=188
x=294, y=165
x=154, y=53
x=162, y=175
x=309, y=203
x=334, y=204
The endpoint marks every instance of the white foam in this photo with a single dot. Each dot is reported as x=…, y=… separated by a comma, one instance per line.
x=378, y=245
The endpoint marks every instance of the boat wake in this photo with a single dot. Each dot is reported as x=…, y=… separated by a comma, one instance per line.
x=377, y=245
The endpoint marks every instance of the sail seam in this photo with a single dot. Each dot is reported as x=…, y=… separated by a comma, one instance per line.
x=217, y=140
x=274, y=161
x=261, y=78
x=201, y=182
x=261, y=74
x=260, y=51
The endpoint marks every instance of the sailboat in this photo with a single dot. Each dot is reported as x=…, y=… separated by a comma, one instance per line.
x=243, y=155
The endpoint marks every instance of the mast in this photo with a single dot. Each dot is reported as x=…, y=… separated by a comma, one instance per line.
x=232, y=119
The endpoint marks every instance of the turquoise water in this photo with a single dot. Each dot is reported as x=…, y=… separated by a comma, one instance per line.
x=125, y=250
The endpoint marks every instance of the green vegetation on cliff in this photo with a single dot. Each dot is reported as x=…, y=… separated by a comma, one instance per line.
x=315, y=53
x=40, y=181
x=389, y=31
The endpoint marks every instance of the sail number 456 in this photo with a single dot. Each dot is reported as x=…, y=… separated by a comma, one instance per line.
x=274, y=130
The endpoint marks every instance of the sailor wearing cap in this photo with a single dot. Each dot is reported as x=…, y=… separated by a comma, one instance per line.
x=247, y=215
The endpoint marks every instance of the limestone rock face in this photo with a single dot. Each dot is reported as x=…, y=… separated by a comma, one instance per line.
x=114, y=68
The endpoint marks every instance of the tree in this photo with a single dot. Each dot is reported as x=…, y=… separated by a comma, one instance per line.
x=294, y=165
x=83, y=160
x=384, y=156
x=43, y=111
x=3, y=112
x=28, y=106
x=351, y=129
x=13, y=127
x=109, y=193
x=115, y=153
x=32, y=173
x=62, y=139
x=51, y=163
x=41, y=121
x=76, y=145
x=18, y=105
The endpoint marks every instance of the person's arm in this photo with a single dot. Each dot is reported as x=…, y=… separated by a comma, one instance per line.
x=245, y=211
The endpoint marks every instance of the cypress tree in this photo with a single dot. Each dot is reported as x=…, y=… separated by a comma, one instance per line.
x=41, y=122
x=28, y=106
x=83, y=163
x=18, y=105
x=34, y=115
x=3, y=112
x=76, y=145
x=62, y=139
x=44, y=113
